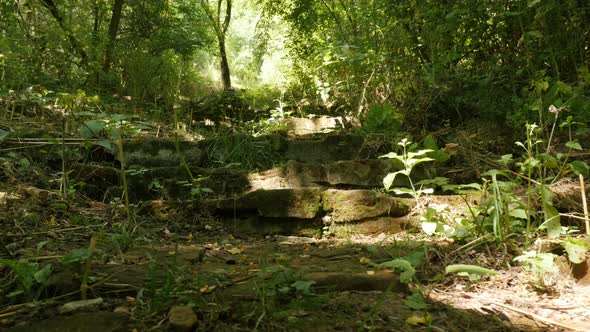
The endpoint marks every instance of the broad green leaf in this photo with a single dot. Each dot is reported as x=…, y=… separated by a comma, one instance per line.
x=416, y=301
x=430, y=143
x=576, y=249
x=413, y=162
x=580, y=167
x=552, y=220
x=388, y=180
x=463, y=189
x=419, y=153
x=92, y=128
x=110, y=146
x=518, y=213
x=3, y=134
x=77, y=255
x=439, y=155
x=574, y=145
x=390, y=155
x=42, y=275
x=437, y=181
x=403, y=191
x=303, y=286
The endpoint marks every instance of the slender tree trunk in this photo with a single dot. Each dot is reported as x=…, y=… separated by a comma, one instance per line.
x=50, y=5
x=220, y=31
x=113, y=30
x=224, y=65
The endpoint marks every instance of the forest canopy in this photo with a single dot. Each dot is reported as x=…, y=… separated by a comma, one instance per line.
x=431, y=62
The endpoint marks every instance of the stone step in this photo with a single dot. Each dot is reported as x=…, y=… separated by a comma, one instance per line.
x=367, y=173
x=314, y=125
x=173, y=182
x=332, y=205
x=272, y=149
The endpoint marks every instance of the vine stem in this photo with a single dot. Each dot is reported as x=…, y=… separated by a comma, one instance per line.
x=584, y=203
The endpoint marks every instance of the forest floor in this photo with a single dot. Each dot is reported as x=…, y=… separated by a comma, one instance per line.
x=236, y=282
x=83, y=267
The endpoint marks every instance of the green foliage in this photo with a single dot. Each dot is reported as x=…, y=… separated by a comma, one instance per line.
x=381, y=118
x=416, y=301
x=576, y=249
x=409, y=160
x=25, y=278
x=473, y=272
x=538, y=263
x=405, y=267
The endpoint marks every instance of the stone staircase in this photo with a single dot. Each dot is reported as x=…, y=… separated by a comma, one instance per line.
x=329, y=181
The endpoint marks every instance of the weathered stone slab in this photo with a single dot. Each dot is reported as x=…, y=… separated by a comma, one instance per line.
x=330, y=148
x=353, y=205
x=366, y=173
x=310, y=126
x=294, y=175
x=375, y=226
x=154, y=152
x=278, y=203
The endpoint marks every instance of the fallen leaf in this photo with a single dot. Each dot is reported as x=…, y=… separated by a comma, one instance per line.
x=364, y=260
x=235, y=251
x=207, y=289
x=419, y=319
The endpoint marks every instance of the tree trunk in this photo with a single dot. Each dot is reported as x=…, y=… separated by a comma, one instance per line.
x=224, y=65
x=220, y=31
x=113, y=30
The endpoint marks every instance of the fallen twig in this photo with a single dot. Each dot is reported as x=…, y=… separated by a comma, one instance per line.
x=545, y=320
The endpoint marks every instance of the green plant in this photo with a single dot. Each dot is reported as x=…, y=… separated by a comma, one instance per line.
x=381, y=118
x=409, y=160
x=540, y=264
x=473, y=272
x=25, y=278
x=117, y=128
x=278, y=286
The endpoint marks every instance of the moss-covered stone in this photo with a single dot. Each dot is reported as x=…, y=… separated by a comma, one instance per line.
x=351, y=205
x=301, y=203
x=154, y=152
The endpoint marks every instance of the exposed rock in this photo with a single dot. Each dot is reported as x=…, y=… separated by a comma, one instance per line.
x=351, y=205
x=88, y=322
x=82, y=305
x=366, y=173
x=330, y=148
x=182, y=318
x=357, y=173
x=346, y=281
x=380, y=225
x=309, y=126
x=301, y=203
x=272, y=226
x=154, y=152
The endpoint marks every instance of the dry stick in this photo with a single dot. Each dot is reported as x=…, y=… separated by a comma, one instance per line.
x=537, y=317
x=583, y=191
x=84, y=283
